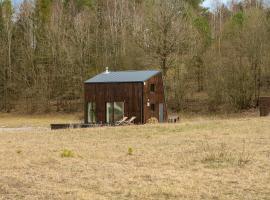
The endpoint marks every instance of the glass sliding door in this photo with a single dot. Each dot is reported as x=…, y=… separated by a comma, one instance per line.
x=91, y=110
x=118, y=111
x=114, y=111
x=109, y=112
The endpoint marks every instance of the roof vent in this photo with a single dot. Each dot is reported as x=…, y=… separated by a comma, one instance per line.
x=107, y=70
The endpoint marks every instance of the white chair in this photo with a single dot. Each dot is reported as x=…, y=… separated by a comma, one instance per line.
x=130, y=121
x=122, y=121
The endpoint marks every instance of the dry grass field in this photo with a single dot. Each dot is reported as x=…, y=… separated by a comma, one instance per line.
x=195, y=159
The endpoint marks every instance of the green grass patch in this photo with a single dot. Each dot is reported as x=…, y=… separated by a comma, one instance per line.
x=67, y=153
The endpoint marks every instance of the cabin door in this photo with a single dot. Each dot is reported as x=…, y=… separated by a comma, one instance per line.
x=114, y=111
x=161, y=112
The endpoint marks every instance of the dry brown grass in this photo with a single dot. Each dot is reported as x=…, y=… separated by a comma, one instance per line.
x=15, y=120
x=205, y=159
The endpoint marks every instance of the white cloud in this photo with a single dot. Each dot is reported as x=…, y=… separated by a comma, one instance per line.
x=211, y=3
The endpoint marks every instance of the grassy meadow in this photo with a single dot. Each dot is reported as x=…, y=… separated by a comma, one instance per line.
x=202, y=158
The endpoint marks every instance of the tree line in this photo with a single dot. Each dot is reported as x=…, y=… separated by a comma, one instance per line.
x=212, y=60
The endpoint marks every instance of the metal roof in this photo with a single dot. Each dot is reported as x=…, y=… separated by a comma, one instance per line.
x=123, y=76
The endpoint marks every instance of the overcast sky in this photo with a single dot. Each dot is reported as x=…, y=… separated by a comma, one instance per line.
x=209, y=3
x=17, y=1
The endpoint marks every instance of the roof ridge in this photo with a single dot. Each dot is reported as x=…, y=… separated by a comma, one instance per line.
x=123, y=76
x=137, y=71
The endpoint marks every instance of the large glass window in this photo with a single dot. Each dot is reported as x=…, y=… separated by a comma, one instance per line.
x=118, y=111
x=109, y=112
x=153, y=107
x=114, y=111
x=91, y=112
x=152, y=88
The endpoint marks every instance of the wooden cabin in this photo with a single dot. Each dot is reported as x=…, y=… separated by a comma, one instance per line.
x=110, y=96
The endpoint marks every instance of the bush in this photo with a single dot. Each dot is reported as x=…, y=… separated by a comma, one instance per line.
x=244, y=157
x=67, y=153
x=222, y=155
x=130, y=151
x=152, y=120
x=219, y=156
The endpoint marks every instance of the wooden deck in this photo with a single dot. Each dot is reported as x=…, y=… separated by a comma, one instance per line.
x=74, y=126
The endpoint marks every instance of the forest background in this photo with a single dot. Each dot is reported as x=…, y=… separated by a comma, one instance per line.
x=212, y=60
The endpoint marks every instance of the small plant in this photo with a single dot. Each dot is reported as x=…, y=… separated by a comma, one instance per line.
x=217, y=156
x=244, y=156
x=19, y=151
x=222, y=155
x=130, y=151
x=67, y=153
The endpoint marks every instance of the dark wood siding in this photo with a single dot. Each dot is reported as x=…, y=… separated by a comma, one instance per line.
x=155, y=97
x=100, y=93
x=264, y=106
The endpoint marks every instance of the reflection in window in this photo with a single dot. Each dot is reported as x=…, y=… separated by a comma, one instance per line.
x=114, y=111
x=91, y=112
x=109, y=112
x=118, y=111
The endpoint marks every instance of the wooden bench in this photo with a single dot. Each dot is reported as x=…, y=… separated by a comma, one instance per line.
x=173, y=119
x=72, y=126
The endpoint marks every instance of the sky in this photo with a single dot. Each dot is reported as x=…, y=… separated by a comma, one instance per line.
x=209, y=3
x=16, y=2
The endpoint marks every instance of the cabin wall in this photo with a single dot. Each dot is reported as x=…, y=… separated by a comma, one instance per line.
x=264, y=104
x=156, y=98
x=100, y=93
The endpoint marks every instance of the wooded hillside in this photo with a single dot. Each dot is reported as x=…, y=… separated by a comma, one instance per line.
x=211, y=61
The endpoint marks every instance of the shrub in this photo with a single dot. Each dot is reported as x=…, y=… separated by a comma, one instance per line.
x=67, y=153
x=244, y=157
x=152, y=120
x=130, y=151
x=218, y=156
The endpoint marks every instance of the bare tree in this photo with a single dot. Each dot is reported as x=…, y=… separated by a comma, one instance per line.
x=163, y=30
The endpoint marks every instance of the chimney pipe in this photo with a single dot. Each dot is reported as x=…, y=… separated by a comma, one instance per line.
x=107, y=70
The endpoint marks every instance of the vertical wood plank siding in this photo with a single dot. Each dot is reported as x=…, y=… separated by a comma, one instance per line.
x=100, y=93
x=156, y=98
x=264, y=104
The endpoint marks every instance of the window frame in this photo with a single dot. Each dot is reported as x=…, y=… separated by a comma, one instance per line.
x=153, y=107
x=112, y=116
x=152, y=87
x=91, y=112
